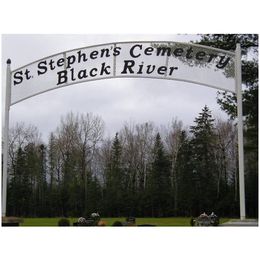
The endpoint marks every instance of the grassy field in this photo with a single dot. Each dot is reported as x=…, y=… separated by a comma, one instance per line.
x=166, y=222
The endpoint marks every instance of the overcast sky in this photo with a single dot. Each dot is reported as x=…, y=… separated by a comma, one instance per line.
x=115, y=100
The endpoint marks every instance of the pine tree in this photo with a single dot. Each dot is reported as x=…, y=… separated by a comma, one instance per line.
x=114, y=189
x=203, y=143
x=227, y=102
x=42, y=180
x=53, y=204
x=20, y=189
x=187, y=180
x=158, y=190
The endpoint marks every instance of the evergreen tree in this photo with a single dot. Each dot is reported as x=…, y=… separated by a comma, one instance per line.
x=53, y=199
x=33, y=169
x=114, y=181
x=203, y=143
x=227, y=101
x=20, y=188
x=158, y=190
x=94, y=195
x=187, y=179
x=42, y=180
x=69, y=197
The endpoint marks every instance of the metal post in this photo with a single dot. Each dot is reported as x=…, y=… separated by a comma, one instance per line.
x=240, y=133
x=6, y=135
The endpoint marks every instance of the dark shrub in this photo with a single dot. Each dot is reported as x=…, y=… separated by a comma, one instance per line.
x=192, y=222
x=117, y=224
x=64, y=222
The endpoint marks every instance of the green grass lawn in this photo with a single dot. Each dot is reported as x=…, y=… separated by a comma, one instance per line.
x=166, y=222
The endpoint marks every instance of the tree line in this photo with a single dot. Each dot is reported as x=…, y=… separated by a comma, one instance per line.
x=143, y=171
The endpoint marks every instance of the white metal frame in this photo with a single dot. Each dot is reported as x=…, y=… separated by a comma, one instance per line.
x=6, y=136
x=237, y=55
x=238, y=77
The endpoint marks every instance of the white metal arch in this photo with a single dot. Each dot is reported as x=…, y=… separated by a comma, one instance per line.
x=238, y=91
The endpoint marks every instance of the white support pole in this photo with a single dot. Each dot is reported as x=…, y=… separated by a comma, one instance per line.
x=6, y=136
x=240, y=133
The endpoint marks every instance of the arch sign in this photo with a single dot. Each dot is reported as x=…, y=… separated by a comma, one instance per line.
x=163, y=60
